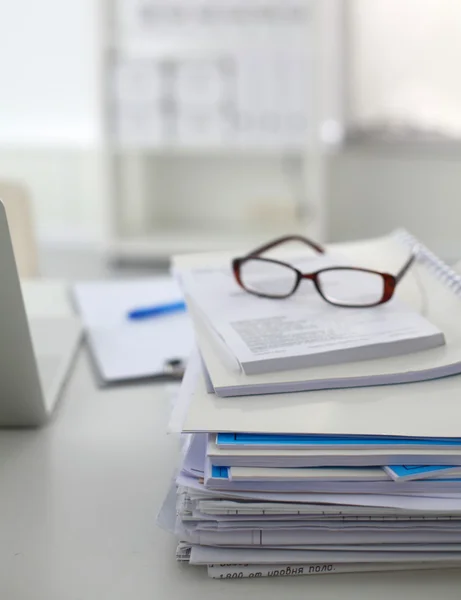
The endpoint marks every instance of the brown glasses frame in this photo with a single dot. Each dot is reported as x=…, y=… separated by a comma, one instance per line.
x=389, y=281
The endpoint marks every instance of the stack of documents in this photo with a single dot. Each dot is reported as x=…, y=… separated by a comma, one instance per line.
x=324, y=469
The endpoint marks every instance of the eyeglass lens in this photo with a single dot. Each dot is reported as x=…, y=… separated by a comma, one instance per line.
x=347, y=287
x=268, y=278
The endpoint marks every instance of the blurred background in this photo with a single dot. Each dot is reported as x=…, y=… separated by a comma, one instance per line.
x=134, y=129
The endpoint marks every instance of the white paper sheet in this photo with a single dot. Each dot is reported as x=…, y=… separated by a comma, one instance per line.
x=329, y=474
x=225, y=510
x=184, y=395
x=301, y=537
x=423, y=409
x=443, y=502
x=330, y=524
x=217, y=571
x=338, y=487
x=203, y=555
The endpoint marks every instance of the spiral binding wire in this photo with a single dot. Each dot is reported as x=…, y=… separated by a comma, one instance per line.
x=440, y=269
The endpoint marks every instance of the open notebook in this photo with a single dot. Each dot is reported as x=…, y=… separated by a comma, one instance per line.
x=430, y=287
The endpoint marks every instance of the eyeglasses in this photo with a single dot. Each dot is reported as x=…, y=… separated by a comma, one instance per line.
x=351, y=287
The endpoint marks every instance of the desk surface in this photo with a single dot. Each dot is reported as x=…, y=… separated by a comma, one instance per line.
x=79, y=499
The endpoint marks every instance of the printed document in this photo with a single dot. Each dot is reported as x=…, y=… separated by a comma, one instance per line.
x=304, y=330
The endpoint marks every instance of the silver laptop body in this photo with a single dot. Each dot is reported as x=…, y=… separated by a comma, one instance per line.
x=35, y=360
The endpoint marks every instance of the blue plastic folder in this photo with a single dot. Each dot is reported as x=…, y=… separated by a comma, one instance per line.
x=414, y=472
x=219, y=472
x=242, y=440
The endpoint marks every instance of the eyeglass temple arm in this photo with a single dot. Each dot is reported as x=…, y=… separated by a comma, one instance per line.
x=407, y=265
x=283, y=240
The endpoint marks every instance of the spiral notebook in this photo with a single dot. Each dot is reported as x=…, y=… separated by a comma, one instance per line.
x=431, y=288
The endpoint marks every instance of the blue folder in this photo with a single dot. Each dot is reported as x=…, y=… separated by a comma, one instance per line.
x=274, y=440
x=417, y=471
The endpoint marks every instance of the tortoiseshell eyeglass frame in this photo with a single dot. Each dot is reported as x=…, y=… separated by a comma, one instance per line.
x=389, y=281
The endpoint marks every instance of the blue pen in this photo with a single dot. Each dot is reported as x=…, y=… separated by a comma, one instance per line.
x=156, y=311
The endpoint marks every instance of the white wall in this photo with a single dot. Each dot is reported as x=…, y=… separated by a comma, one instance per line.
x=50, y=126
x=66, y=189
x=404, y=60
x=48, y=72
x=373, y=190
x=405, y=57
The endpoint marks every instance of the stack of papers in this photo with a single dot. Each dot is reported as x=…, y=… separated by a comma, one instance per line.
x=364, y=478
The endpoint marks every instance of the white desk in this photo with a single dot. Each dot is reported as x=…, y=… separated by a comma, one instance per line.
x=78, y=502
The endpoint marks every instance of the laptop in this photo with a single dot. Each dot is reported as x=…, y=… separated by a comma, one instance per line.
x=36, y=357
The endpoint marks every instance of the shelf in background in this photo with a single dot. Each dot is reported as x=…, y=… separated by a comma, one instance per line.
x=223, y=98
x=187, y=150
x=159, y=246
